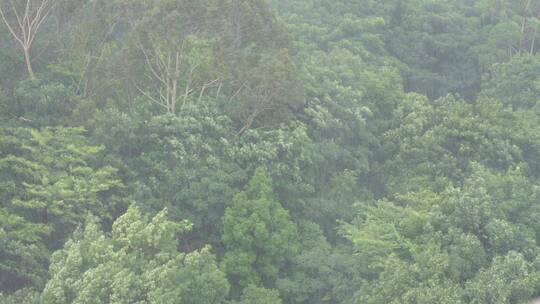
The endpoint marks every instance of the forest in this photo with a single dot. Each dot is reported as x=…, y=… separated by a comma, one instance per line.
x=269, y=151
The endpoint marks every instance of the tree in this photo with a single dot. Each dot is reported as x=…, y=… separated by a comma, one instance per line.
x=176, y=53
x=510, y=279
x=22, y=296
x=258, y=235
x=49, y=180
x=176, y=71
x=39, y=102
x=511, y=28
x=435, y=143
x=434, y=41
x=321, y=273
x=268, y=88
x=514, y=83
x=137, y=263
x=185, y=57
x=24, y=19
x=257, y=295
x=472, y=244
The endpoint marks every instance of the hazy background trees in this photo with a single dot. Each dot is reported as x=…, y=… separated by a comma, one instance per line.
x=308, y=151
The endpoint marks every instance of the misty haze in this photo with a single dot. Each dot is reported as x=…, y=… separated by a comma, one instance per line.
x=269, y=151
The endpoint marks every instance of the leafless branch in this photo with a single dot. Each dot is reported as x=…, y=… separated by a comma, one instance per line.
x=25, y=23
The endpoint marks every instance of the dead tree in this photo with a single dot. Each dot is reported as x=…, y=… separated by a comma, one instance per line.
x=23, y=19
x=175, y=79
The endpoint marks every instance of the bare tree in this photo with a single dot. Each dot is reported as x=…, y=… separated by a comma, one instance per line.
x=23, y=19
x=172, y=73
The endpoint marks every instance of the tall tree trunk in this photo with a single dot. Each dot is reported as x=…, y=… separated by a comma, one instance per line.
x=28, y=61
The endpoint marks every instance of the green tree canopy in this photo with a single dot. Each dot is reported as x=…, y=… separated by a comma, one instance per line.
x=137, y=263
x=258, y=234
x=50, y=179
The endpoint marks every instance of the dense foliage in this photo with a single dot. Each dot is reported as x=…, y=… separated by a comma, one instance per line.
x=269, y=151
